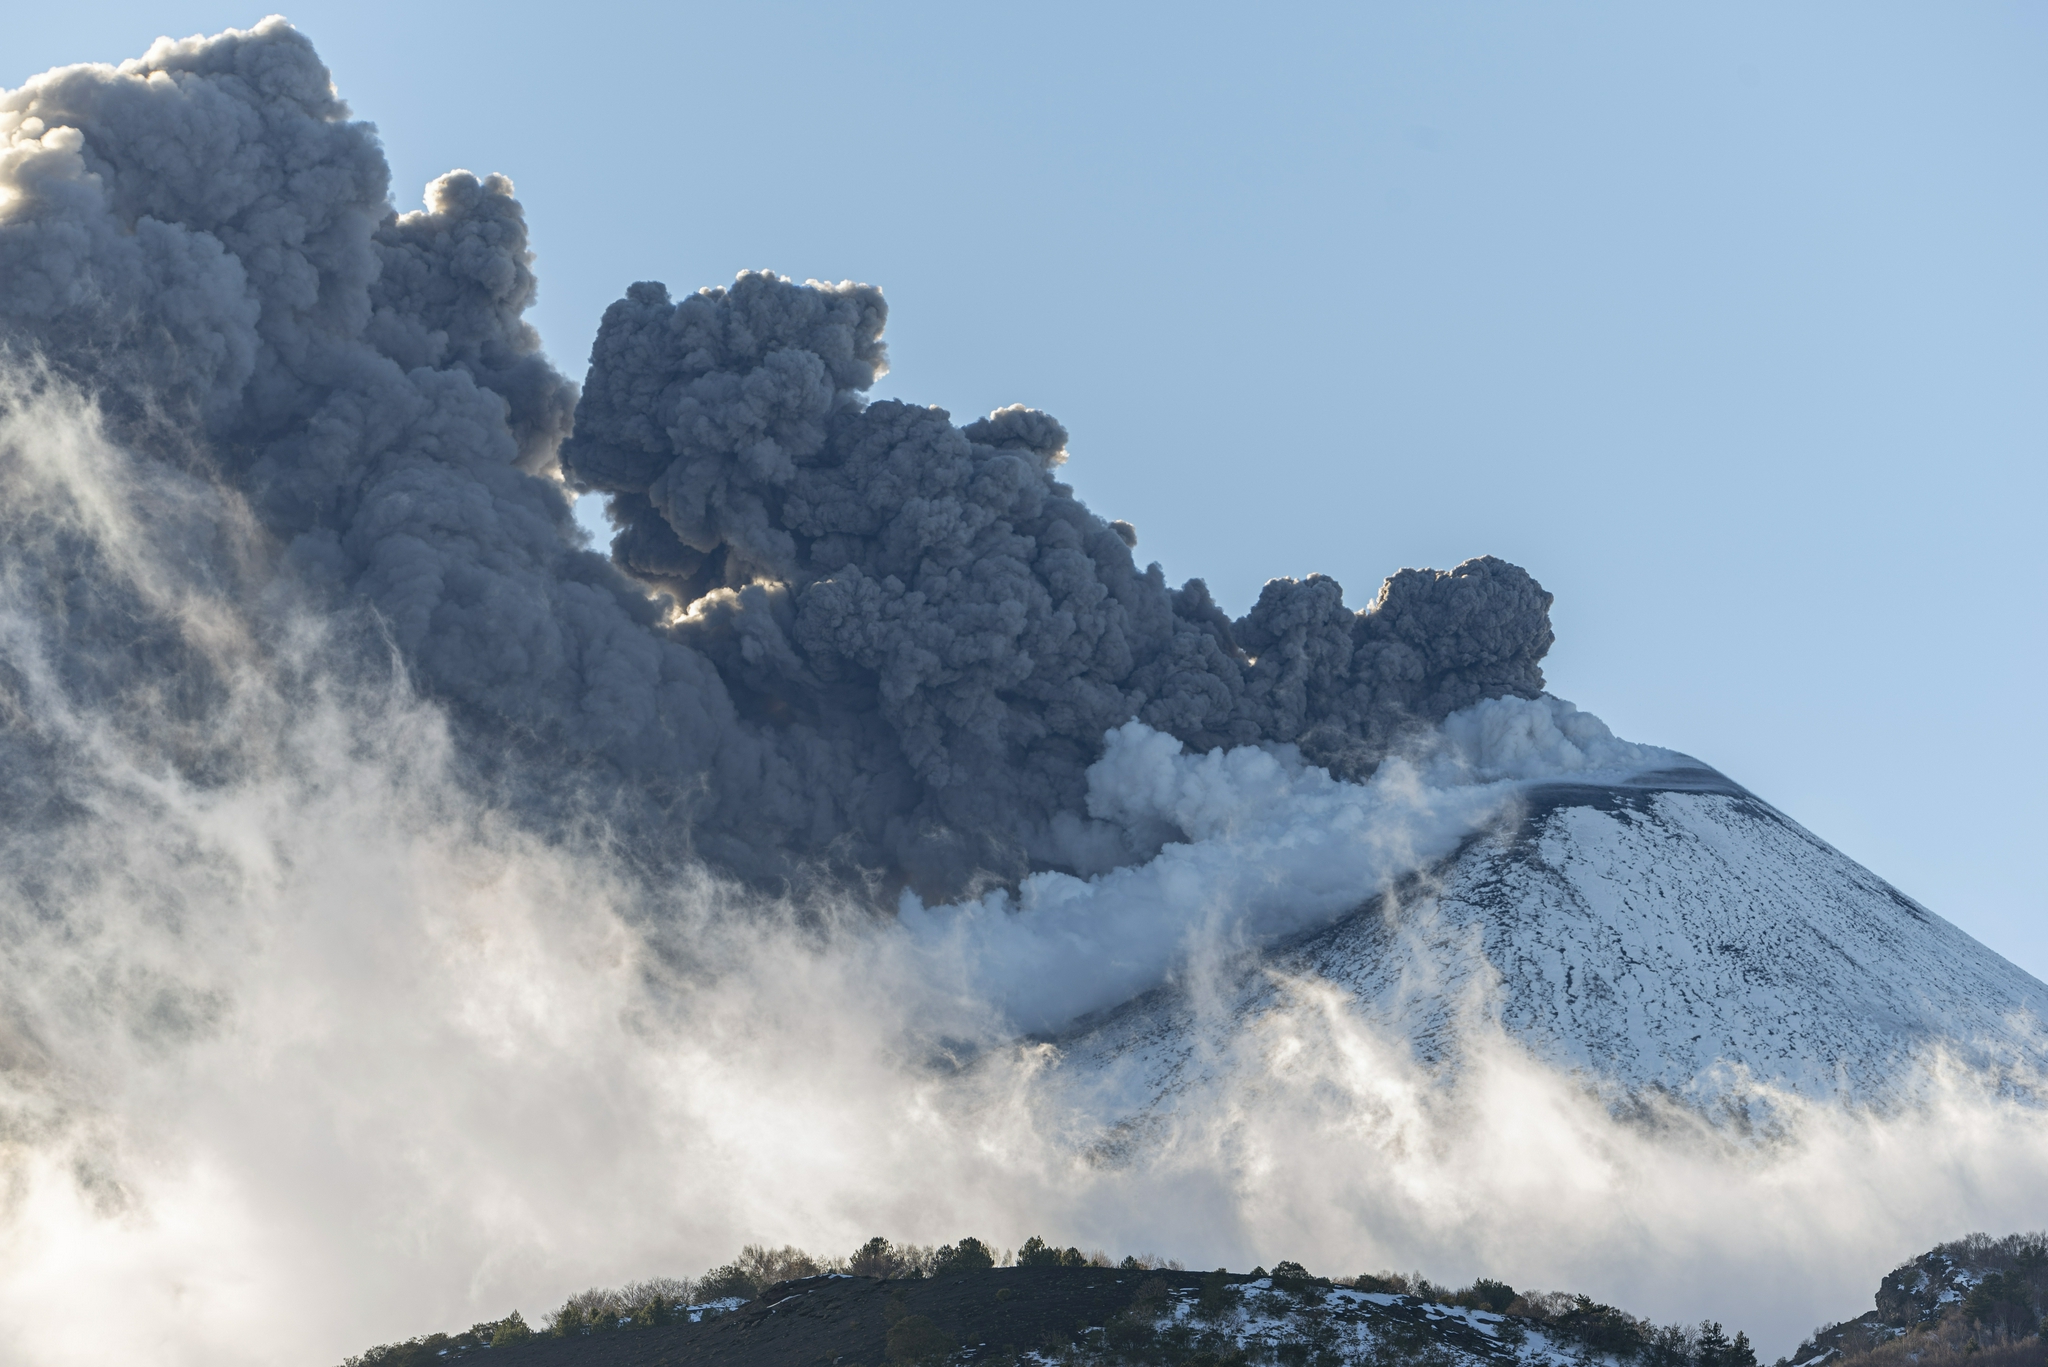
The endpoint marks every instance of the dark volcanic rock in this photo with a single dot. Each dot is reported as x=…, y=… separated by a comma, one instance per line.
x=841, y=1320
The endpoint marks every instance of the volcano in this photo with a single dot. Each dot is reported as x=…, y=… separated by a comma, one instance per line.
x=1669, y=934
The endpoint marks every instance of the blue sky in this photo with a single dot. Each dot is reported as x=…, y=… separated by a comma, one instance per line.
x=1730, y=323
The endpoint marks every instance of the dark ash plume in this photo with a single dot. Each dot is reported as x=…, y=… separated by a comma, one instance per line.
x=873, y=571
x=883, y=644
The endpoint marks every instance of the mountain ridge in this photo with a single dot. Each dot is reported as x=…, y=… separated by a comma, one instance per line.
x=1977, y=1298
x=1670, y=934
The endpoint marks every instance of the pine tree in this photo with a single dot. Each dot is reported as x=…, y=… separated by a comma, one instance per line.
x=1035, y=1252
x=969, y=1255
x=875, y=1258
x=509, y=1330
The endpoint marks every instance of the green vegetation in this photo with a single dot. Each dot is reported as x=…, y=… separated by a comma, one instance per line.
x=1036, y=1252
x=969, y=1255
x=437, y=1348
x=1217, y=1298
x=1977, y=1301
x=915, y=1339
x=1488, y=1294
x=1307, y=1324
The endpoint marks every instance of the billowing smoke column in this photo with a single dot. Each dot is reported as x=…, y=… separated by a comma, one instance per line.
x=930, y=595
x=834, y=635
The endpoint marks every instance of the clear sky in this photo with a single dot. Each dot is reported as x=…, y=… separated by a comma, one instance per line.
x=1729, y=322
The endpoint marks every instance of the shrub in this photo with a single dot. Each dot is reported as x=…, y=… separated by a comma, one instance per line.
x=1130, y=1334
x=1403, y=1284
x=1605, y=1329
x=653, y=1313
x=1543, y=1305
x=675, y=1290
x=1952, y=1342
x=2001, y=1305
x=1150, y=1262
x=1487, y=1294
x=1218, y=1297
x=572, y=1319
x=880, y=1258
x=913, y=1338
x=417, y=1352
x=764, y=1267
x=725, y=1283
x=1152, y=1299
x=509, y=1330
x=1295, y=1279
x=1036, y=1252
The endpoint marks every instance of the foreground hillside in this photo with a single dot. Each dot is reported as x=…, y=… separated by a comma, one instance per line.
x=1977, y=1300
x=1087, y=1315
x=1061, y=1308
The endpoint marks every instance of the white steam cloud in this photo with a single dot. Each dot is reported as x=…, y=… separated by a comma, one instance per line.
x=328, y=1052
x=1264, y=845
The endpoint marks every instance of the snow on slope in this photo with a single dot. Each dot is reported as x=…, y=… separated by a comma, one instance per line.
x=1343, y=1325
x=1251, y=845
x=1665, y=932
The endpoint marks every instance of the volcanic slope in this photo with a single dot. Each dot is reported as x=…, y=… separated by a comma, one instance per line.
x=1039, y=1316
x=1670, y=933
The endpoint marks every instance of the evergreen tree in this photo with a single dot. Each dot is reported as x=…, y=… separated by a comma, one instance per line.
x=1035, y=1252
x=1670, y=1346
x=875, y=1258
x=969, y=1255
x=509, y=1330
x=1218, y=1297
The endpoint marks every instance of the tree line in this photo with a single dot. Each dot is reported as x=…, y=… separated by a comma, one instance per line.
x=1597, y=1329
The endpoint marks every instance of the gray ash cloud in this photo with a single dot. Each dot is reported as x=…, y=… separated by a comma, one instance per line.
x=833, y=636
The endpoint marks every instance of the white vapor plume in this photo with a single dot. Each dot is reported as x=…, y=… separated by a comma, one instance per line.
x=1264, y=845
x=318, y=1050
